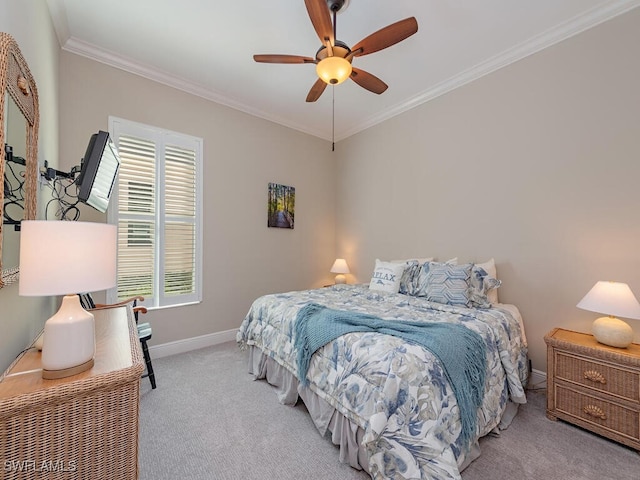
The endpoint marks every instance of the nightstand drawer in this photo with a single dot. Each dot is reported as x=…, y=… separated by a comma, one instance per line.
x=600, y=376
x=599, y=413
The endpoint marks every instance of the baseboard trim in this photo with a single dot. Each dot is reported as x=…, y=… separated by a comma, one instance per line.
x=193, y=343
x=537, y=379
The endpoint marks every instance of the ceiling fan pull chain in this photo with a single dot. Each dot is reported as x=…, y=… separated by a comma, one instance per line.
x=333, y=118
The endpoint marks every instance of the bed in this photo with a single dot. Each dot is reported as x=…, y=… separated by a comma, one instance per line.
x=388, y=402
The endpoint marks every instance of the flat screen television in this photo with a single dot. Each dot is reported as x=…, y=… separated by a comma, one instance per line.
x=98, y=171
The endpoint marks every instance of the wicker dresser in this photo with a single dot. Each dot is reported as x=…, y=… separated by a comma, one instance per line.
x=594, y=386
x=80, y=427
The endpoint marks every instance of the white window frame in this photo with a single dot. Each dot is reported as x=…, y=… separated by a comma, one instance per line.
x=161, y=137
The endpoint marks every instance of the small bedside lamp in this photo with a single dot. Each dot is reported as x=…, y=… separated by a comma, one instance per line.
x=612, y=299
x=340, y=267
x=66, y=258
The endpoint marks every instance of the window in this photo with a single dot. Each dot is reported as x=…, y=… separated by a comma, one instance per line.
x=157, y=207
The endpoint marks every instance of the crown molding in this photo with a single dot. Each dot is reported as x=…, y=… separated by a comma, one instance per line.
x=533, y=45
x=79, y=47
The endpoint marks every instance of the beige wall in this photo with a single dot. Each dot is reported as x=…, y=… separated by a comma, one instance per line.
x=243, y=259
x=21, y=318
x=536, y=165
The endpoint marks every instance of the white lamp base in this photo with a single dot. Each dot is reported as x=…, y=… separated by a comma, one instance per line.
x=69, y=340
x=612, y=331
x=340, y=278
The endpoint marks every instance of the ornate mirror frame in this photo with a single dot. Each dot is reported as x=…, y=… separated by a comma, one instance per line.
x=16, y=81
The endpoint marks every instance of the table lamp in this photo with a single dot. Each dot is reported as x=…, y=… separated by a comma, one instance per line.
x=66, y=258
x=613, y=299
x=340, y=267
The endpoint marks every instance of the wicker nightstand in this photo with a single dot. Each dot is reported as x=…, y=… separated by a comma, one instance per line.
x=83, y=426
x=594, y=386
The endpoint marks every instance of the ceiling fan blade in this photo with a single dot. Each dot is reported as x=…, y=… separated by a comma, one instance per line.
x=283, y=59
x=368, y=81
x=316, y=90
x=321, y=19
x=387, y=36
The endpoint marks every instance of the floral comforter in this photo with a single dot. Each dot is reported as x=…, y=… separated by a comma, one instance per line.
x=395, y=391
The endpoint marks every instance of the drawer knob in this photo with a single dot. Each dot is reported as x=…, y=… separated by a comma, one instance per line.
x=594, y=411
x=595, y=376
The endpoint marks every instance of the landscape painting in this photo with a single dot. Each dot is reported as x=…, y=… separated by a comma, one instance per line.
x=281, y=206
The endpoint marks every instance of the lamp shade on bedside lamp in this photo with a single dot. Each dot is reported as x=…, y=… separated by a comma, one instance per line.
x=340, y=267
x=614, y=299
x=67, y=258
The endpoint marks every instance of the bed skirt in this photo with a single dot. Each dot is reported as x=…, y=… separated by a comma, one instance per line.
x=344, y=433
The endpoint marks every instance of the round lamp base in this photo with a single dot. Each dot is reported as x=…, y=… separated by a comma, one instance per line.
x=67, y=372
x=612, y=331
x=340, y=279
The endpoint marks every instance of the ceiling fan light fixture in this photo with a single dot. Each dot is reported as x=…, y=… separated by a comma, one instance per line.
x=333, y=70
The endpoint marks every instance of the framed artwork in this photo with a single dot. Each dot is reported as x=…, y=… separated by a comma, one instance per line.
x=280, y=206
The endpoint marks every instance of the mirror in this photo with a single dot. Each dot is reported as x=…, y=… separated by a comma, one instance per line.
x=14, y=181
x=19, y=129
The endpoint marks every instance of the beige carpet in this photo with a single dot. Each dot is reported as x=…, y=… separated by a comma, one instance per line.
x=209, y=420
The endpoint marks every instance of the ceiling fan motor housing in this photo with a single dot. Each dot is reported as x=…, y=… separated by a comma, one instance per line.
x=340, y=49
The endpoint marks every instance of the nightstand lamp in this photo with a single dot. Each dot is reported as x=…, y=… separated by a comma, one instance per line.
x=340, y=267
x=67, y=258
x=613, y=299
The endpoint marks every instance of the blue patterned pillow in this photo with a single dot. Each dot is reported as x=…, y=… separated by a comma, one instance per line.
x=420, y=280
x=409, y=277
x=481, y=283
x=448, y=284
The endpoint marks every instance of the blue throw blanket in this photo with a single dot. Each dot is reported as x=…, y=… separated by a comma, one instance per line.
x=461, y=351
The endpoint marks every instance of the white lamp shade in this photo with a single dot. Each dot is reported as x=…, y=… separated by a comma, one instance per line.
x=340, y=266
x=65, y=258
x=61, y=257
x=611, y=298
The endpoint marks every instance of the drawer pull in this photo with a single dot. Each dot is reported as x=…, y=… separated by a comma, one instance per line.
x=595, y=376
x=594, y=411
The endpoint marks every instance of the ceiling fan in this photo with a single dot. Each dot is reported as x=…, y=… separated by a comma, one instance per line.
x=333, y=58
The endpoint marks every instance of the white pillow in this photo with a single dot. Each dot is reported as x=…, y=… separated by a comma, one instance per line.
x=490, y=267
x=386, y=276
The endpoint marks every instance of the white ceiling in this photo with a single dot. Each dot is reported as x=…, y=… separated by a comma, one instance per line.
x=205, y=47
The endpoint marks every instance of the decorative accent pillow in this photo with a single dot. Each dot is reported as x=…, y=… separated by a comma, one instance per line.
x=420, y=278
x=490, y=267
x=386, y=276
x=448, y=284
x=481, y=286
x=409, y=279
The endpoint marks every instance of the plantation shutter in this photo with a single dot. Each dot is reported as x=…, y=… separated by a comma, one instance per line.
x=158, y=213
x=180, y=219
x=136, y=217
